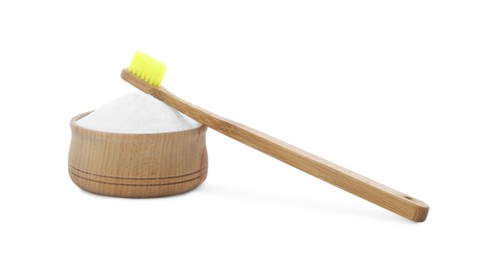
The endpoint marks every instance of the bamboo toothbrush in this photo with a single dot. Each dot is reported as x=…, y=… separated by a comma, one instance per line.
x=146, y=73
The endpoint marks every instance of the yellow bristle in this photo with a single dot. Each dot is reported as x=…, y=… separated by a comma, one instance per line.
x=147, y=68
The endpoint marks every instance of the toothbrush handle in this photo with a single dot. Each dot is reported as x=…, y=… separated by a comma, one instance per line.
x=365, y=188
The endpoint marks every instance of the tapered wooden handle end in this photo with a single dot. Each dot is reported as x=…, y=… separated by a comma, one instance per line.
x=418, y=209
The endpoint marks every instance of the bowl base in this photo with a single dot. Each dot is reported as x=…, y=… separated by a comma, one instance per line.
x=136, y=187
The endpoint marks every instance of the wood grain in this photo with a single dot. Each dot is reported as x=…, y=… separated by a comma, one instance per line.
x=137, y=165
x=363, y=187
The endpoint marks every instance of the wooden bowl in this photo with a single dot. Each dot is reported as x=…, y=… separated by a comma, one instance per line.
x=137, y=165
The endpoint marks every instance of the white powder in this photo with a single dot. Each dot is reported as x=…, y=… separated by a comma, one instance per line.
x=137, y=113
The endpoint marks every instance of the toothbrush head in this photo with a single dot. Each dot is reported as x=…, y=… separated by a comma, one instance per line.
x=147, y=68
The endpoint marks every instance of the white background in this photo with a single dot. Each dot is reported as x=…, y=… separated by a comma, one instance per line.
x=389, y=89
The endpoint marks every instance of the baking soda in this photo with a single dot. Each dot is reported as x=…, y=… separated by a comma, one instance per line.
x=137, y=113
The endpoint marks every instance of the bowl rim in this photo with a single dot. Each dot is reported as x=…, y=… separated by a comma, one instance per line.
x=74, y=125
